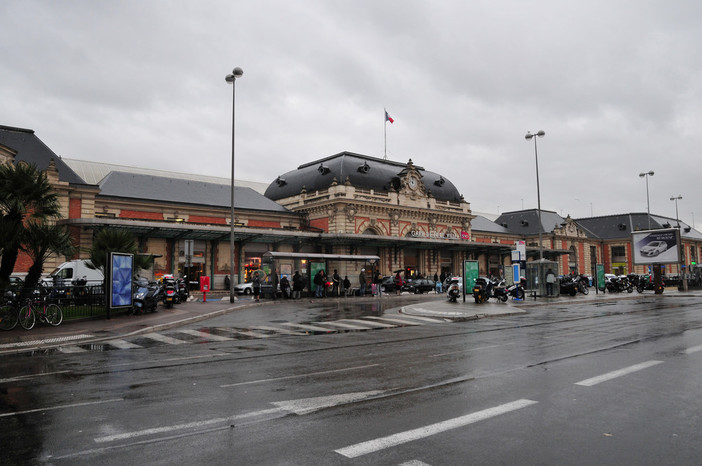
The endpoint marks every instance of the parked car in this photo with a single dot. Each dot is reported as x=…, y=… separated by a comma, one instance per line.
x=244, y=288
x=421, y=285
x=654, y=248
x=388, y=284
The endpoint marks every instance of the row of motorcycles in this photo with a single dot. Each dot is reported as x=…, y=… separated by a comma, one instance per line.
x=631, y=282
x=147, y=294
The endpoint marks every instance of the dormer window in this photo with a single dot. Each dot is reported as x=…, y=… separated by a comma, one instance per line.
x=365, y=168
x=323, y=169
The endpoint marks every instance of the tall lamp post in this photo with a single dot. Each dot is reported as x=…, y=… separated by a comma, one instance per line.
x=674, y=198
x=648, y=204
x=231, y=78
x=538, y=192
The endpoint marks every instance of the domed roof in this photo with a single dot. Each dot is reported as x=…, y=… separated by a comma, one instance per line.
x=362, y=172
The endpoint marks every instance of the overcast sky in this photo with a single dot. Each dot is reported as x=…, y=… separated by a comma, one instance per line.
x=616, y=86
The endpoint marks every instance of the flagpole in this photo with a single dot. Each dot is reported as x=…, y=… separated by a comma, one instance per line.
x=385, y=131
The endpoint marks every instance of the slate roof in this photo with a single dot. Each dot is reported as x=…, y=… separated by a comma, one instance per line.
x=620, y=226
x=526, y=222
x=485, y=225
x=159, y=188
x=32, y=150
x=380, y=175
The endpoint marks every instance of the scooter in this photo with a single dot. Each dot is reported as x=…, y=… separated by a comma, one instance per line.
x=146, y=296
x=453, y=291
x=182, y=288
x=516, y=290
x=484, y=289
x=170, y=295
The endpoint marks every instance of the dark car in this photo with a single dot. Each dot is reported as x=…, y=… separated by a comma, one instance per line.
x=388, y=284
x=420, y=285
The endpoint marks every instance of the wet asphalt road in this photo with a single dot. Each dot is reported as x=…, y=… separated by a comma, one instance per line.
x=612, y=383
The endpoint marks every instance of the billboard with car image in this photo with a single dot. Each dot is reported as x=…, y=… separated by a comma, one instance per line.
x=656, y=246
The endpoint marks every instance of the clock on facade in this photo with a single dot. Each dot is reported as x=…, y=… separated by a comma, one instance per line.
x=412, y=182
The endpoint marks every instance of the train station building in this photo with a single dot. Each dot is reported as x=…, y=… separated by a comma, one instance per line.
x=413, y=220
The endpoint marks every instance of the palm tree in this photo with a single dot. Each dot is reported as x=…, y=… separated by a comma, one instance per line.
x=25, y=195
x=107, y=241
x=41, y=241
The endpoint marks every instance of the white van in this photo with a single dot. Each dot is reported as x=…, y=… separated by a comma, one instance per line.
x=67, y=273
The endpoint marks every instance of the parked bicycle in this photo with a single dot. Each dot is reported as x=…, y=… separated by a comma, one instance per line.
x=40, y=308
x=9, y=315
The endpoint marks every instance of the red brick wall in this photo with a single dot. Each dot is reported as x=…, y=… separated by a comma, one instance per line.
x=74, y=208
x=322, y=223
x=201, y=219
x=138, y=214
x=263, y=224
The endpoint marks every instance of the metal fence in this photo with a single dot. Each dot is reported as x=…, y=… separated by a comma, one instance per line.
x=77, y=302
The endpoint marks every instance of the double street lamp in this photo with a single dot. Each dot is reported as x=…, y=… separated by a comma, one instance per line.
x=673, y=198
x=538, y=192
x=231, y=78
x=648, y=204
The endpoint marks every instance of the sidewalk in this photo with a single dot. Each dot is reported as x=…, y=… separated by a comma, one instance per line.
x=43, y=336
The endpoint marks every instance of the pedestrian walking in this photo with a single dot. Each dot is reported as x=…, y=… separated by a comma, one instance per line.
x=298, y=284
x=319, y=284
x=275, y=283
x=346, y=285
x=398, y=284
x=256, y=287
x=362, y=282
x=377, y=283
x=550, y=280
x=336, y=281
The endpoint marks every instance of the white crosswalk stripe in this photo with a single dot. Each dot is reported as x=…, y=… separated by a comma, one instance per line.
x=72, y=349
x=224, y=334
x=205, y=335
x=123, y=344
x=164, y=339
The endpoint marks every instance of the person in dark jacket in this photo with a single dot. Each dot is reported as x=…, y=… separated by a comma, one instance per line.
x=256, y=287
x=298, y=285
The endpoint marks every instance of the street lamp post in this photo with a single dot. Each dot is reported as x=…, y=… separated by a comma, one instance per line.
x=674, y=198
x=648, y=204
x=538, y=191
x=231, y=78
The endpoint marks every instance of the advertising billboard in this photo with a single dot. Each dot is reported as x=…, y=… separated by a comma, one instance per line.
x=121, y=271
x=656, y=246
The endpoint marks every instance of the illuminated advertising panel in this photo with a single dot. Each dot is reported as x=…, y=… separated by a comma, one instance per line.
x=656, y=246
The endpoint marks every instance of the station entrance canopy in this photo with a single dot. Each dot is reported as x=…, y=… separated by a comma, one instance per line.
x=298, y=238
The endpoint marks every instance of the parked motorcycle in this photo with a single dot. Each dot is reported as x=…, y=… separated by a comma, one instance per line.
x=453, y=291
x=645, y=282
x=484, y=289
x=516, y=290
x=146, y=296
x=182, y=288
x=170, y=294
x=619, y=284
x=568, y=285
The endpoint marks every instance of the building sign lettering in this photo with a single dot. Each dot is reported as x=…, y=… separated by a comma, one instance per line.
x=436, y=235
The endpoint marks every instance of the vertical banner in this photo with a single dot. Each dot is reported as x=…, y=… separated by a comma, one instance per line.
x=599, y=268
x=121, y=269
x=470, y=274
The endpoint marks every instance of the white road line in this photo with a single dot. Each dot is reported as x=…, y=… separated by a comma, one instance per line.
x=393, y=319
x=435, y=320
x=693, y=349
x=308, y=374
x=618, y=373
x=468, y=350
x=342, y=324
x=310, y=328
x=246, y=333
x=354, y=451
x=122, y=344
x=164, y=339
x=45, y=342
x=373, y=324
x=283, y=331
x=205, y=335
x=72, y=349
x=51, y=408
x=31, y=376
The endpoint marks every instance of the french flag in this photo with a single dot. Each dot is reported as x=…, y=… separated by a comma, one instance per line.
x=388, y=117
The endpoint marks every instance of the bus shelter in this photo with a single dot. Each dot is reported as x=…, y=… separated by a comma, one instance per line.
x=536, y=277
